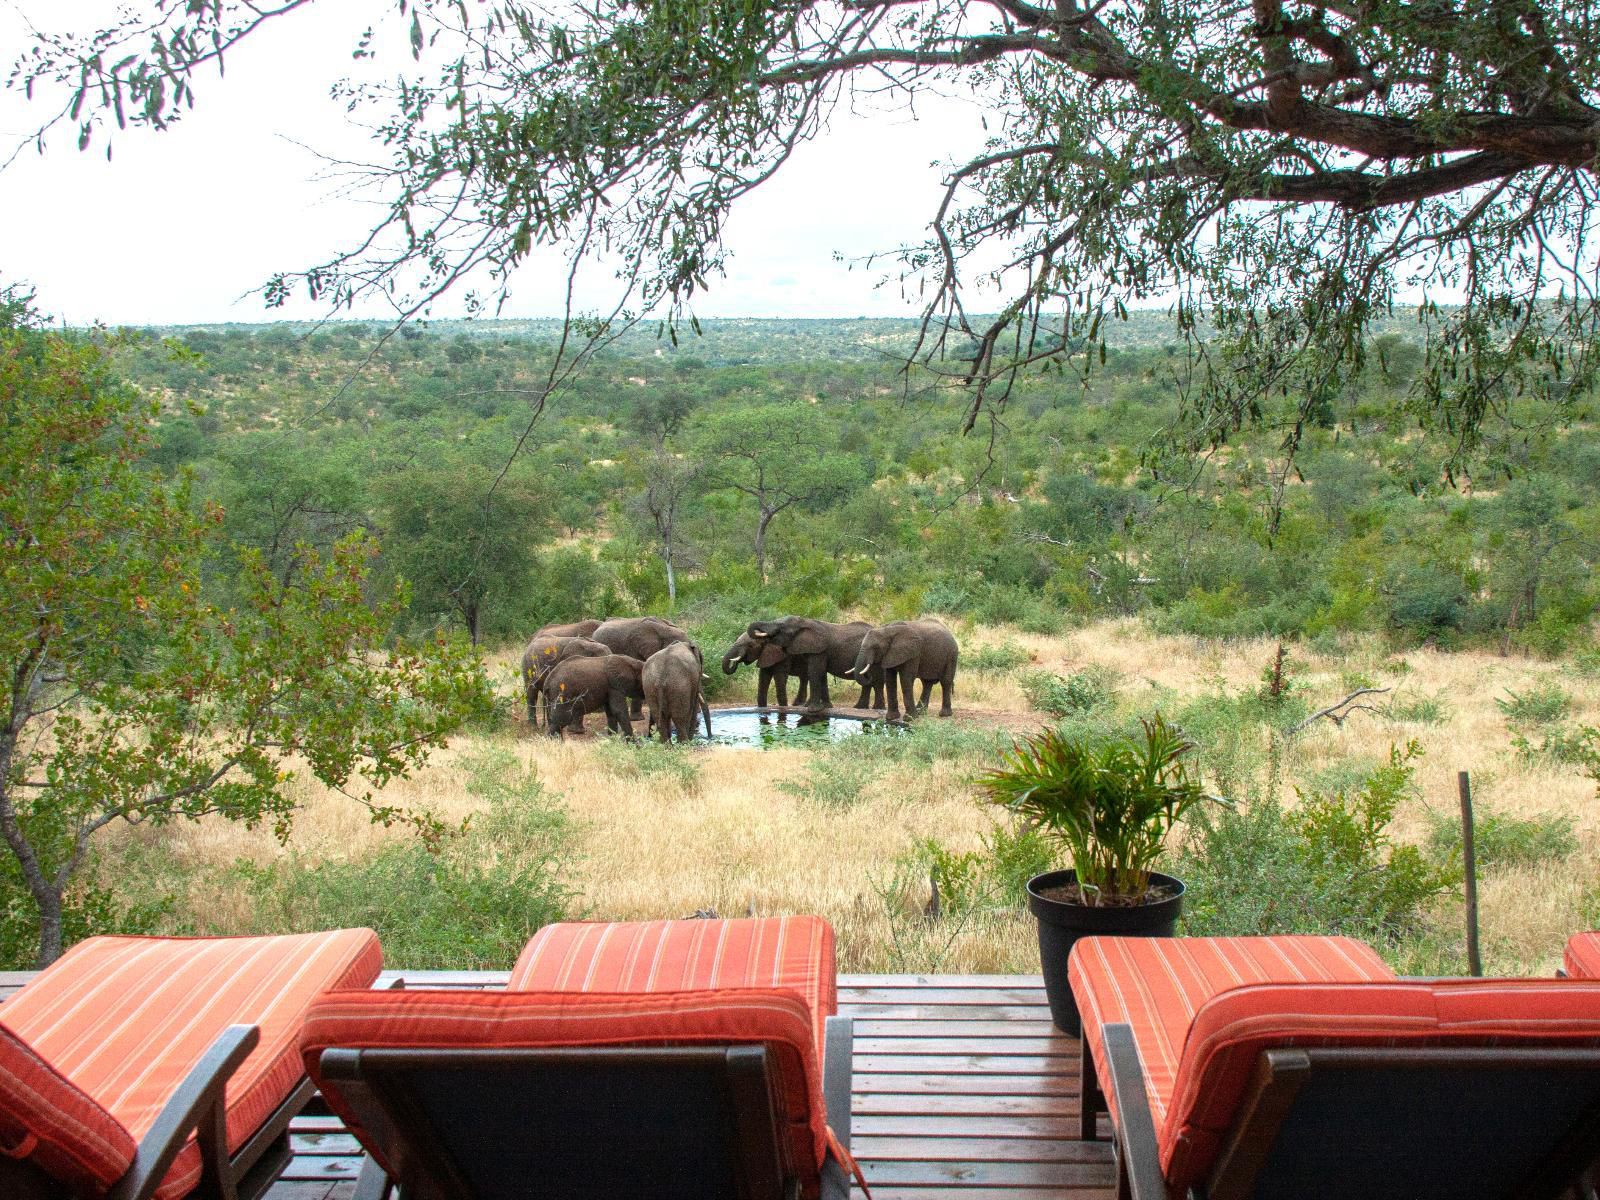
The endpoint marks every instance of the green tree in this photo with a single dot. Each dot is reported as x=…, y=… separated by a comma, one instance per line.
x=1284, y=168
x=780, y=456
x=463, y=535
x=125, y=694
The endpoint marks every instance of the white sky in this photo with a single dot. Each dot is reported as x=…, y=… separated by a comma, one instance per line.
x=182, y=225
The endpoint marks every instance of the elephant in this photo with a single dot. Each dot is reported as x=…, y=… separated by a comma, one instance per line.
x=913, y=650
x=773, y=666
x=673, y=690
x=542, y=654
x=581, y=629
x=638, y=637
x=827, y=649
x=581, y=686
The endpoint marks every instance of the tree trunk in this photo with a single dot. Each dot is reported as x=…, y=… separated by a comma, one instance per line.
x=672, y=583
x=761, y=542
x=472, y=623
x=50, y=905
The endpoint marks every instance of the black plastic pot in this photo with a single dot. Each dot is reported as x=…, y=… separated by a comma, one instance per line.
x=1061, y=924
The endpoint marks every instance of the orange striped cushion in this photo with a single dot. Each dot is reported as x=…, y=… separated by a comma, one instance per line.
x=1232, y=1030
x=65, y=1133
x=126, y=1019
x=1582, y=958
x=794, y=953
x=1156, y=985
x=449, y=1019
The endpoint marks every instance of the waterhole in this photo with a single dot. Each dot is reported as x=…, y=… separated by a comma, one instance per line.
x=764, y=730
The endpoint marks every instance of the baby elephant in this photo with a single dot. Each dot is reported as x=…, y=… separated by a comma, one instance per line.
x=581, y=686
x=673, y=691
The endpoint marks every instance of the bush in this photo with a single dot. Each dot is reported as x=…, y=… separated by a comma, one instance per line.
x=1422, y=709
x=995, y=876
x=471, y=904
x=1542, y=704
x=1081, y=692
x=1563, y=746
x=1503, y=840
x=1427, y=601
x=1007, y=656
x=1327, y=866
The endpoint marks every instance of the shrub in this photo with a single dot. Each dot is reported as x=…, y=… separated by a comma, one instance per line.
x=472, y=903
x=1082, y=691
x=1564, y=746
x=1503, y=840
x=1542, y=704
x=1007, y=656
x=832, y=780
x=1328, y=866
x=1422, y=709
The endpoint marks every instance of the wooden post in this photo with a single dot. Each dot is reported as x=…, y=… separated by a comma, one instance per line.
x=1470, y=862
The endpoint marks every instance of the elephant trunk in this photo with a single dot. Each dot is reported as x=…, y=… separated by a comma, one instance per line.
x=730, y=662
x=863, y=663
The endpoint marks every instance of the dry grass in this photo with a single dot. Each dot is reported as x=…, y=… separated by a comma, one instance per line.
x=733, y=841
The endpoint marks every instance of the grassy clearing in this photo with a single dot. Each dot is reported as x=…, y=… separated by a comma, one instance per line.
x=854, y=832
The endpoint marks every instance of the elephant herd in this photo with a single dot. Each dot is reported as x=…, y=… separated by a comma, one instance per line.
x=616, y=666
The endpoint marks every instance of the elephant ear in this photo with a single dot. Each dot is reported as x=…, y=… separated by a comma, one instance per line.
x=771, y=655
x=806, y=640
x=901, y=647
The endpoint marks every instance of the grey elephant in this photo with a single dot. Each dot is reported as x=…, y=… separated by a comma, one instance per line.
x=544, y=653
x=575, y=629
x=828, y=649
x=911, y=650
x=773, y=666
x=581, y=686
x=638, y=637
x=673, y=690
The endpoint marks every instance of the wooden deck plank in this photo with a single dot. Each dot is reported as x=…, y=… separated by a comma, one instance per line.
x=1032, y=1047
x=963, y=1104
x=968, y=1084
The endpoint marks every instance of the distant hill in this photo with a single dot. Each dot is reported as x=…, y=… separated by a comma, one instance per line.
x=770, y=340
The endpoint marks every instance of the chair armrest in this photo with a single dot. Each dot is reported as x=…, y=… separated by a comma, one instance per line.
x=201, y=1092
x=1139, y=1160
x=836, y=1069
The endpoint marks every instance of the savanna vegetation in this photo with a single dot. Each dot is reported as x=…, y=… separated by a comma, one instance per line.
x=776, y=467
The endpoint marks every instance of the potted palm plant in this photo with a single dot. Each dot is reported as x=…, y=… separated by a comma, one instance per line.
x=1110, y=802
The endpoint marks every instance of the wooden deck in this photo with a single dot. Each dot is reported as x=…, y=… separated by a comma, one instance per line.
x=963, y=1090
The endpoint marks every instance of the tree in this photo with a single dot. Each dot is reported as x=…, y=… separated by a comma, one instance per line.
x=125, y=694
x=780, y=456
x=669, y=479
x=1283, y=172
x=462, y=535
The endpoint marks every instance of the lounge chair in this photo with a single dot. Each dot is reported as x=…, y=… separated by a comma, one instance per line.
x=1382, y=1089
x=138, y=1067
x=1582, y=958
x=652, y=1060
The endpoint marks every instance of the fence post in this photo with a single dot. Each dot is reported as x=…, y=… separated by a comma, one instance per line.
x=1470, y=862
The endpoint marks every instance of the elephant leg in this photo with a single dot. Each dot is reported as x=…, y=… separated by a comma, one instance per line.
x=945, y=685
x=800, y=689
x=877, y=684
x=818, y=672
x=927, y=690
x=890, y=678
x=705, y=710
x=862, y=702
x=908, y=690
x=763, y=682
x=618, y=706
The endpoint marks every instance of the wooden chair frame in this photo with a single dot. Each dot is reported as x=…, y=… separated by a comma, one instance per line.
x=197, y=1106
x=374, y=1084
x=1269, y=1099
